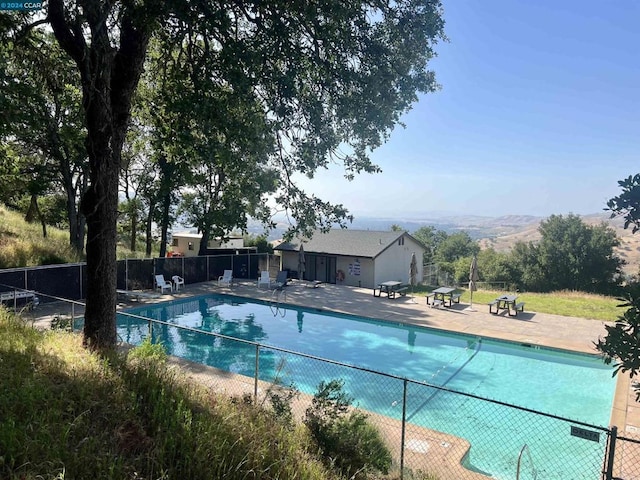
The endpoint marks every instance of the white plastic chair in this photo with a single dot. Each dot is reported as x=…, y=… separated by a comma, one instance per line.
x=226, y=278
x=264, y=279
x=161, y=284
x=177, y=282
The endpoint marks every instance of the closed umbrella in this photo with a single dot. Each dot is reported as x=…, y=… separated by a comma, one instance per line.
x=473, y=279
x=301, y=263
x=413, y=272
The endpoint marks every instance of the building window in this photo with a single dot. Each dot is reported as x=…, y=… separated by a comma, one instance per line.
x=401, y=241
x=174, y=242
x=190, y=245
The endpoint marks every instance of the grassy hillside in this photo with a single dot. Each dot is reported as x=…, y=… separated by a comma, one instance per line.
x=69, y=413
x=22, y=243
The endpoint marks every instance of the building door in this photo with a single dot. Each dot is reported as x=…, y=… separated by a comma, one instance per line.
x=321, y=268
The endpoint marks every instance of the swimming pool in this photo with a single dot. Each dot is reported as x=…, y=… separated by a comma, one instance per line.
x=574, y=386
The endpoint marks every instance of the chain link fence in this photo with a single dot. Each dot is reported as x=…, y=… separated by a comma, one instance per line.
x=69, y=280
x=429, y=429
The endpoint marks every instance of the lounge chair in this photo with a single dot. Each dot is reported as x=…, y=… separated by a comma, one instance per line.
x=161, y=284
x=282, y=278
x=264, y=279
x=226, y=278
x=177, y=282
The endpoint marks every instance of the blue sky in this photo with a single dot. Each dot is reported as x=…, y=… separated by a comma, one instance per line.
x=539, y=114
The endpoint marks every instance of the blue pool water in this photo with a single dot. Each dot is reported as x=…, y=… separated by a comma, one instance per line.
x=574, y=386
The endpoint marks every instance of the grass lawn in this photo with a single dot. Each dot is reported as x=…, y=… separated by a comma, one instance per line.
x=572, y=304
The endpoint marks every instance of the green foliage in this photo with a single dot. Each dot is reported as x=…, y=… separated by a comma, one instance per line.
x=345, y=437
x=260, y=242
x=627, y=204
x=455, y=246
x=622, y=342
x=570, y=255
x=431, y=238
x=280, y=396
x=47, y=138
x=61, y=322
x=107, y=418
x=148, y=351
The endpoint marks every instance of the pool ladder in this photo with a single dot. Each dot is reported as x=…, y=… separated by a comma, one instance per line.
x=277, y=296
x=524, y=448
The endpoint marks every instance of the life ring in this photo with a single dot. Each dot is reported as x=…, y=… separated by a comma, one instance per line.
x=340, y=276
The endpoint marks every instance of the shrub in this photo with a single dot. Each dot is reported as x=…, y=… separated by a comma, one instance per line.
x=148, y=351
x=345, y=437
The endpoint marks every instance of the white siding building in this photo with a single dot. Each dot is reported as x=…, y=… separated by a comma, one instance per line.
x=188, y=244
x=360, y=258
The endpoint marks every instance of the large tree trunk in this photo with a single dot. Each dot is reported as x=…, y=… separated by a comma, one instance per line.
x=99, y=205
x=134, y=229
x=148, y=226
x=164, y=228
x=109, y=78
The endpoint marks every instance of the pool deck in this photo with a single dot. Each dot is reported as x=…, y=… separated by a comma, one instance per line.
x=555, y=331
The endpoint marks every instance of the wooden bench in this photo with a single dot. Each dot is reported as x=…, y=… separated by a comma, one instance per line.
x=431, y=295
x=455, y=298
x=491, y=305
x=519, y=306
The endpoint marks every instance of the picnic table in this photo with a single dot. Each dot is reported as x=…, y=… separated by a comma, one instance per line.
x=442, y=295
x=508, y=303
x=391, y=288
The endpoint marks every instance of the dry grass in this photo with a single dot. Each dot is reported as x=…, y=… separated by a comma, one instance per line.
x=22, y=244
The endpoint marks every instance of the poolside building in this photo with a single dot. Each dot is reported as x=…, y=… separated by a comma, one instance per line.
x=187, y=244
x=358, y=258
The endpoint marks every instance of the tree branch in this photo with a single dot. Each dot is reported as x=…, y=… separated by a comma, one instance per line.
x=72, y=43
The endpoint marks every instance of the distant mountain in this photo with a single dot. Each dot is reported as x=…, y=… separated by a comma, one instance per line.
x=500, y=233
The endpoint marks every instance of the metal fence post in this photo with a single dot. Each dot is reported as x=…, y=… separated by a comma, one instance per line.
x=255, y=381
x=73, y=316
x=611, y=454
x=208, y=268
x=404, y=425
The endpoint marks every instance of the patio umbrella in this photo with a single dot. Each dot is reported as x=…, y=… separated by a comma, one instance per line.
x=413, y=273
x=301, y=263
x=473, y=278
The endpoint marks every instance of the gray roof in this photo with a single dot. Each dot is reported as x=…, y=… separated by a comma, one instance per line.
x=353, y=243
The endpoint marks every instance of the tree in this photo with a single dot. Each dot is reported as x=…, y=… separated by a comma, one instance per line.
x=108, y=43
x=622, y=344
x=627, y=204
x=431, y=238
x=577, y=256
x=260, y=242
x=456, y=245
x=332, y=77
x=49, y=134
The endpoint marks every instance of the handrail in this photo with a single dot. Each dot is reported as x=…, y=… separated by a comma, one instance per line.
x=526, y=448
